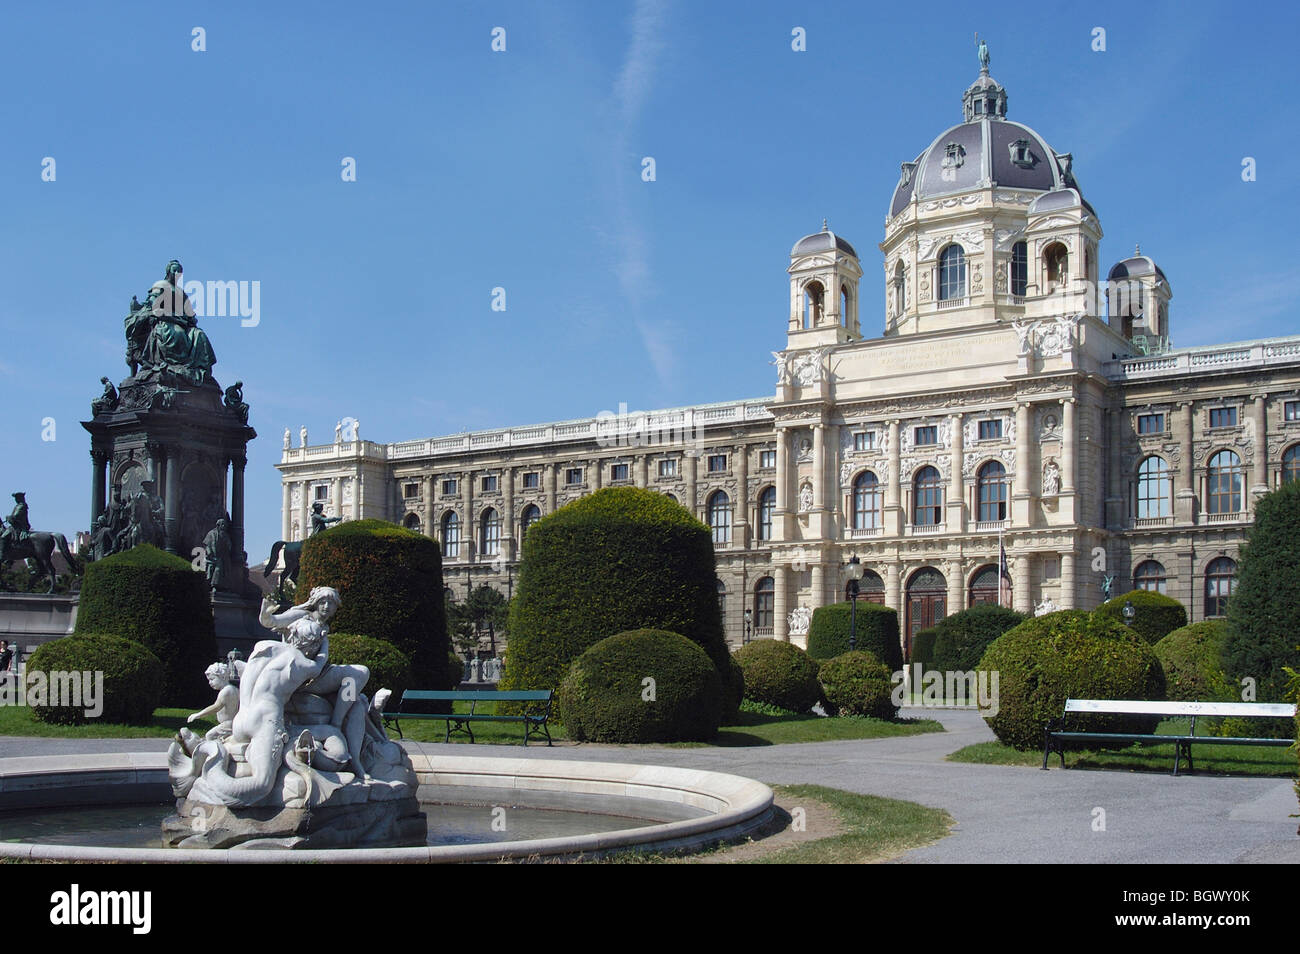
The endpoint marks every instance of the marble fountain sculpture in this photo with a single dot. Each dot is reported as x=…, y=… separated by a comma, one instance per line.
x=300, y=758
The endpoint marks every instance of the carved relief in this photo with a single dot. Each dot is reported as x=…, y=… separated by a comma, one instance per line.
x=1049, y=423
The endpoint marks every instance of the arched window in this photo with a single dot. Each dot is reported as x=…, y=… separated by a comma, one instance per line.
x=766, y=513
x=720, y=517
x=927, y=498
x=490, y=532
x=1019, y=269
x=952, y=273
x=814, y=300
x=1149, y=575
x=900, y=286
x=1056, y=260
x=451, y=534
x=532, y=513
x=1220, y=581
x=764, y=605
x=1223, y=483
x=412, y=522
x=1155, y=489
x=991, y=492
x=844, y=305
x=984, y=586
x=1291, y=463
x=867, y=500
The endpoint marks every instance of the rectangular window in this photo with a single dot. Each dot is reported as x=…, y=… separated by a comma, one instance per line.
x=410, y=491
x=1223, y=417
x=1151, y=423
x=573, y=476
x=990, y=430
x=449, y=486
x=322, y=492
x=767, y=458
x=864, y=440
x=618, y=472
x=927, y=435
x=717, y=463
x=532, y=481
x=668, y=468
x=489, y=483
x=1291, y=411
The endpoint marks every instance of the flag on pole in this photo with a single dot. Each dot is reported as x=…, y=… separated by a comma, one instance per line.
x=1004, y=576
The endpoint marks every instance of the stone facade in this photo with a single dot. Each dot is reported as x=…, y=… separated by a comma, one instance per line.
x=1013, y=399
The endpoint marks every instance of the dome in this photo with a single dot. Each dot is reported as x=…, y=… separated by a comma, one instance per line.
x=1060, y=199
x=985, y=150
x=1135, y=267
x=823, y=241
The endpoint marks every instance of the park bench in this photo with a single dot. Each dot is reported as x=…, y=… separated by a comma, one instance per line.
x=535, y=712
x=1055, y=735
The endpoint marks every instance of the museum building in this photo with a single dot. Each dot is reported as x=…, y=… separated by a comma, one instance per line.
x=1014, y=399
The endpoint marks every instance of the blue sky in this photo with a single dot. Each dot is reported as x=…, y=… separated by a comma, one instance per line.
x=522, y=170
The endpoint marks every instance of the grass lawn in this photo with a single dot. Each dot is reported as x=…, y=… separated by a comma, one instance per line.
x=753, y=728
x=1206, y=757
x=18, y=720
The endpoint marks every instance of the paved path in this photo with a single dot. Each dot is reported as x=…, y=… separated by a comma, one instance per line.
x=1003, y=813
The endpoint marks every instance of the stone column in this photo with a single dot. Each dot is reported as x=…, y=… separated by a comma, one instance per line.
x=780, y=529
x=818, y=585
x=1022, y=599
x=286, y=517
x=172, y=498
x=508, y=513
x=361, y=495
x=692, y=464
x=893, y=515
x=956, y=484
x=740, y=467
x=1068, y=440
x=955, y=574
x=1069, y=593
x=1259, y=466
x=1116, y=505
x=304, y=510
x=549, y=478
x=1022, y=501
x=598, y=480
x=430, y=507
x=97, y=485
x=469, y=532
x=642, y=470
x=1185, y=475
x=336, y=497
x=894, y=591
x=780, y=603
x=237, y=464
x=819, y=467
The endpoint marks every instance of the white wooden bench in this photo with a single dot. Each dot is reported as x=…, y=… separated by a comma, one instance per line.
x=1055, y=734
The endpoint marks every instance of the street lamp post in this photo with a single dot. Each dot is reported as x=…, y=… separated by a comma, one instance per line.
x=1129, y=612
x=749, y=619
x=853, y=571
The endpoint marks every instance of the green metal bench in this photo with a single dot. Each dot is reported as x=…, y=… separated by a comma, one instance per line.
x=1055, y=736
x=536, y=710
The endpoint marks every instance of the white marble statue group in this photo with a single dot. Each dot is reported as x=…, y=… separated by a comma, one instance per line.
x=292, y=728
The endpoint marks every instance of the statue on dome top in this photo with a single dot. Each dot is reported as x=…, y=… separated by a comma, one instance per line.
x=983, y=54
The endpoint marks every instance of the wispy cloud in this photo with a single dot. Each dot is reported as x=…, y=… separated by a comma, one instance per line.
x=657, y=337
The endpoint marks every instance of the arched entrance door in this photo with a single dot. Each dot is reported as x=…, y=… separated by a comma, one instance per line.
x=984, y=587
x=927, y=602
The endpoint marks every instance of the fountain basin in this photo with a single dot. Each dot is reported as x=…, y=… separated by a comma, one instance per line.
x=699, y=808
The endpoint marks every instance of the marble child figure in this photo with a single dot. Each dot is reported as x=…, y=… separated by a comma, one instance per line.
x=222, y=677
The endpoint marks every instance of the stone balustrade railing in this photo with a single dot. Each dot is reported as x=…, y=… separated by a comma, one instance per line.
x=1188, y=361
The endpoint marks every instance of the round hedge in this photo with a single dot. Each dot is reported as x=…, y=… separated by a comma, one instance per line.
x=779, y=674
x=858, y=684
x=961, y=639
x=1071, y=654
x=160, y=601
x=1191, y=660
x=133, y=678
x=390, y=582
x=733, y=691
x=604, y=695
x=1156, y=615
x=618, y=560
x=923, y=647
x=877, y=632
x=390, y=668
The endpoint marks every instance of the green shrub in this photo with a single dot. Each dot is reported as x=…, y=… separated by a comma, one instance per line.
x=160, y=601
x=133, y=678
x=1190, y=658
x=858, y=684
x=961, y=639
x=1156, y=615
x=390, y=582
x=390, y=668
x=1264, y=611
x=618, y=560
x=877, y=632
x=605, y=696
x=733, y=694
x=1071, y=654
x=923, y=647
x=779, y=674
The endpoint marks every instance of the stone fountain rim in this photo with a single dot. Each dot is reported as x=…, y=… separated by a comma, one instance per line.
x=739, y=806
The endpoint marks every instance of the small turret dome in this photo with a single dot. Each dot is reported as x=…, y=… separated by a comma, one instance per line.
x=823, y=241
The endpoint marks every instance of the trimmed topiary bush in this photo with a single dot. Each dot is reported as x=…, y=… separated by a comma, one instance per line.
x=1157, y=615
x=390, y=668
x=779, y=674
x=961, y=639
x=133, y=678
x=858, y=684
x=923, y=647
x=390, y=581
x=1071, y=654
x=877, y=632
x=1190, y=659
x=733, y=693
x=605, y=696
x=160, y=601
x=618, y=560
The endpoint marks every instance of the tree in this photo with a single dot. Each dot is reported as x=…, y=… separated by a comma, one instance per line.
x=483, y=611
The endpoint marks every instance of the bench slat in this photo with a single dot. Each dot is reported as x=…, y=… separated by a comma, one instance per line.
x=1276, y=710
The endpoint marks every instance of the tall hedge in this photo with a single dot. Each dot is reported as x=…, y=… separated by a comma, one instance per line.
x=1190, y=657
x=961, y=639
x=389, y=666
x=132, y=686
x=923, y=647
x=1155, y=615
x=1071, y=654
x=620, y=559
x=390, y=582
x=1264, y=611
x=160, y=601
x=877, y=632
